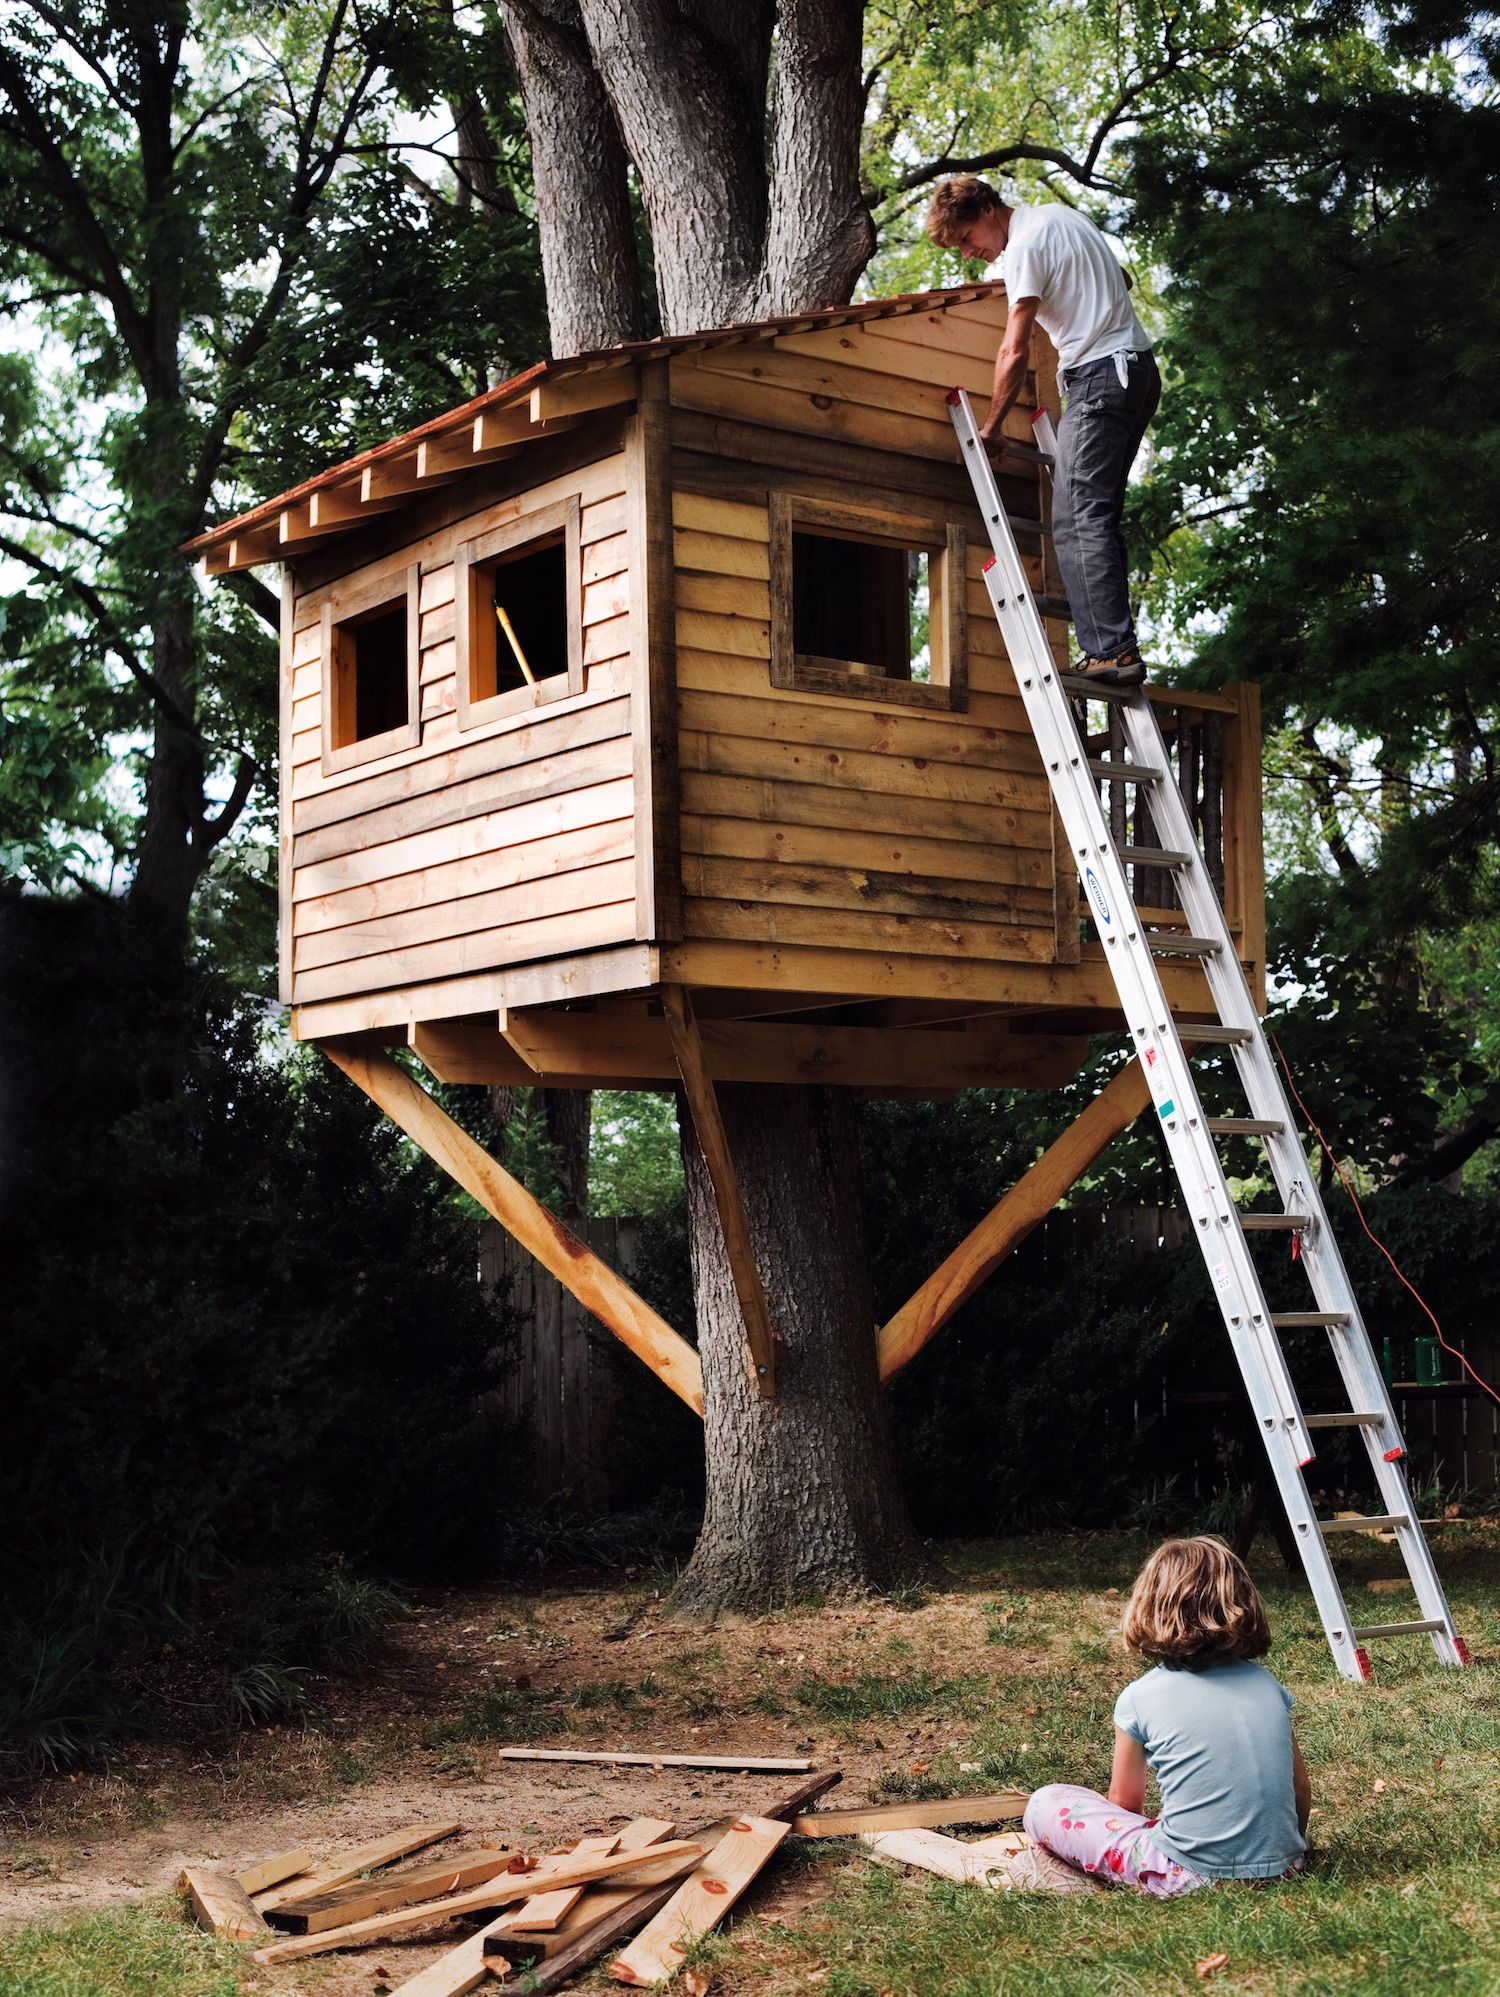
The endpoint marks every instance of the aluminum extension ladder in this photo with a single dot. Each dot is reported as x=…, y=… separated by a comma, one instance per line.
x=1130, y=949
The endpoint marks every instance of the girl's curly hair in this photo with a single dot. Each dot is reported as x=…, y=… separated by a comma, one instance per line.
x=1194, y=1600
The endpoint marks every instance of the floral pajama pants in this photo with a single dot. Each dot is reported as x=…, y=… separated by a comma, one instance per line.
x=1098, y=1837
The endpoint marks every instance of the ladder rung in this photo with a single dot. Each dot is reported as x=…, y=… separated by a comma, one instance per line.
x=1265, y=1223
x=1379, y=1522
x=1168, y=943
x=1244, y=1126
x=1213, y=1035
x=1114, y=771
x=1154, y=856
x=1082, y=687
x=1397, y=1629
x=1305, y=1320
x=1350, y=1420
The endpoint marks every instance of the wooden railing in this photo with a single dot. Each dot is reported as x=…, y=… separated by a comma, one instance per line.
x=1214, y=755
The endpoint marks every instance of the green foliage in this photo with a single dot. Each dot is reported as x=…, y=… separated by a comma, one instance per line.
x=635, y=1164
x=239, y=1317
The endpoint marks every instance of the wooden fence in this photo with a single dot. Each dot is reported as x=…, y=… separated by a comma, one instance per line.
x=562, y=1381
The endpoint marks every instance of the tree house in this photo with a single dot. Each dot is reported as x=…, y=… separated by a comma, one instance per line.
x=644, y=724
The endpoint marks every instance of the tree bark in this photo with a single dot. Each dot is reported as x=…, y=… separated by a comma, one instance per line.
x=820, y=235
x=580, y=169
x=803, y=1497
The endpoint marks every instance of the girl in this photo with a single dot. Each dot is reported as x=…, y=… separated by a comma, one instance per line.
x=1212, y=1725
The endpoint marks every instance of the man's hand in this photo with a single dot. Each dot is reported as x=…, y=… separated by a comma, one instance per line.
x=992, y=436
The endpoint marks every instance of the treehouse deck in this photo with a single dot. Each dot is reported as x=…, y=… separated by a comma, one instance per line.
x=670, y=669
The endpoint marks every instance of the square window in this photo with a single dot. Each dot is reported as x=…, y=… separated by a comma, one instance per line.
x=867, y=604
x=371, y=687
x=518, y=614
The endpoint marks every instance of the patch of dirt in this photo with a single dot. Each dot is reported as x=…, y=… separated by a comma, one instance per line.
x=413, y=1738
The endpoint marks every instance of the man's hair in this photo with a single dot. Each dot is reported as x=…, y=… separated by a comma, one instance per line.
x=1194, y=1600
x=955, y=205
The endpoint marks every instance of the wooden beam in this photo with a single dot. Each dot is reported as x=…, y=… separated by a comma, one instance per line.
x=269, y=1872
x=713, y=1141
x=912, y=1816
x=498, y=1892
x=1032, y=1197
x=556, y=1247
x=576, y=394
x=221, y=1905
x=366, y=1858
x=334, y=506
x=337, y=1906
x=700, y=1902
x=746, y=1764
x=457, y=452
x=930, y=1851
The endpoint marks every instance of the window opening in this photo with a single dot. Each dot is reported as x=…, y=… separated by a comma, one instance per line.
x=372, y=679
x=862, y=604
x=521, y=626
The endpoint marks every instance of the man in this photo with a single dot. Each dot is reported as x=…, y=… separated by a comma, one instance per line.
x=1060, y=273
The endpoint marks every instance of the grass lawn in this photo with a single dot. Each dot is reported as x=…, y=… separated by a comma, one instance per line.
x=1006, y=1677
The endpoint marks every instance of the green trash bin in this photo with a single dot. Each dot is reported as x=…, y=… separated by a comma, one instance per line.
x=1429, y=1366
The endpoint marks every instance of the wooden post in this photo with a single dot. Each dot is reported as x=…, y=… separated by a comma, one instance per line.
x=1244, y=835
x=1031, y=1198
x=556, y=1247
x=697, y=1083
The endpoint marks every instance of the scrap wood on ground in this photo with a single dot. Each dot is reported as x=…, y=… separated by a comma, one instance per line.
x=641, y=1891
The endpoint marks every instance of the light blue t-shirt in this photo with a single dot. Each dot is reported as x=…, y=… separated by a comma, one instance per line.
x=1219, y=1741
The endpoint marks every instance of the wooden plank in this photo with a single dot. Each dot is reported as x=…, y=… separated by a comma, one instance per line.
x=713, y=1142
x=498, y=911
x=556, y=1247
x=923, y=431
x=724, y=595
x=658, y=888
x=622, y=1051
x=888, y=732
x=747, y=1764
x=1244, y=836
x=269, y=1872
x=930, y=1851
x=866, y=771
x=549, y=1910
x=817, y=885
x=886, y=854
x=793, y=801
x=366, y=1858
x=718, y=554
x=453, y=1975
x=622, y=968
x=909, y=935
x=285, y=670
x=578, y=394
x=221, y=1905
x=336, y=1906
x=1007, y=1223
x=700, y=1903
x=831, y=374
x=912, y=1816
x=726, y=519
x=500, y=1891
x=896, y=360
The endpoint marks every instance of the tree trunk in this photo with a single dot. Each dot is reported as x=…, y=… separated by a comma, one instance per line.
x=803, y=1496
x=580, y=170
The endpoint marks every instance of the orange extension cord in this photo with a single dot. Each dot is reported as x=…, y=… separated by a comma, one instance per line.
x=1349, y=1189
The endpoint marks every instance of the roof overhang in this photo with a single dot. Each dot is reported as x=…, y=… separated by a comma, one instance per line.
x=553, y=396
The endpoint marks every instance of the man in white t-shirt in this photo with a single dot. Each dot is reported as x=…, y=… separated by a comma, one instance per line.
x=1060, y=274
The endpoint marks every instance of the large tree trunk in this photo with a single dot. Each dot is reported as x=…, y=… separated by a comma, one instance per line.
x=580, y=171
x=803, y=1496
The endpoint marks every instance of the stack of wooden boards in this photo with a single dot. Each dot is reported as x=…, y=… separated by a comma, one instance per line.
x=640, y=1891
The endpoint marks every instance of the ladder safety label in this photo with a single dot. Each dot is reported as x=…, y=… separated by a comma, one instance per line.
x=1221, y=1278
x=1097, y=896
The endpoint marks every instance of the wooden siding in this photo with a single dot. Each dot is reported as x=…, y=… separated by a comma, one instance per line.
x=476, y=847
x=810, y=818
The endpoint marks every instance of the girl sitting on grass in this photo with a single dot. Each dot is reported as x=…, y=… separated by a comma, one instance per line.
x=1214, y=1727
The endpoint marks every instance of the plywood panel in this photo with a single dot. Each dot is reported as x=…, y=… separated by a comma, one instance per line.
x=585, y=929
x=452, y=880
x=522, y=905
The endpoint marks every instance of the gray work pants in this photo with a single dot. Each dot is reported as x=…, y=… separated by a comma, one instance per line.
x=1097, y=439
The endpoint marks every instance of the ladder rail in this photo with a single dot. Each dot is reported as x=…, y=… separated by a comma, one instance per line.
x=1141, y=759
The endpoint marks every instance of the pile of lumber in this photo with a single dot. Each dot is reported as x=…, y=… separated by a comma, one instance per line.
x=642, y=1892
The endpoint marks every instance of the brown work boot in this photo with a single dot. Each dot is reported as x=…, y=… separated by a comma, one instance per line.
x=1124, y=669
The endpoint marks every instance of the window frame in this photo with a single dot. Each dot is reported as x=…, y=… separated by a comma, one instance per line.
x=351, y=601
x=945, y=545
x=471, y=558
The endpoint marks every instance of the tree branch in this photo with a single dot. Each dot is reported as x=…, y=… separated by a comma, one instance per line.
x=930, y=170
x=209, y=831
x=263, y=600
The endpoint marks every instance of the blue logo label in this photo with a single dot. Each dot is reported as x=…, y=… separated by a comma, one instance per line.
x=1167, y=1109
x=1097, y=896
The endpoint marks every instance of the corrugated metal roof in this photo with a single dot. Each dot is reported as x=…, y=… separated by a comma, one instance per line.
x=250, y=528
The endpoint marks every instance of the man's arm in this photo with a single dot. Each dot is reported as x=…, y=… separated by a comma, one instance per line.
x=1010, y=372
x=1127, y=1778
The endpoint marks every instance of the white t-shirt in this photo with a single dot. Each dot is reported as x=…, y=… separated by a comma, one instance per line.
x=1057, y=255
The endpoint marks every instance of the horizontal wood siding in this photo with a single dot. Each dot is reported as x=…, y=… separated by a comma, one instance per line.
x=813, y=819
x=476, y=848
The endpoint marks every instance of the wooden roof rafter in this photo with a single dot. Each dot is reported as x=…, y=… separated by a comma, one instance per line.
x=544, y=400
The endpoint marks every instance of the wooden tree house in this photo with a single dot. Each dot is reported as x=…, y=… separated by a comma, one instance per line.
x=644, y=724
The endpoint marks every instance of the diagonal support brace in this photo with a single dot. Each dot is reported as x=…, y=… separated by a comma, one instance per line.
x=1029, y=1201
x=557, y=1248
x=698, y=1086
